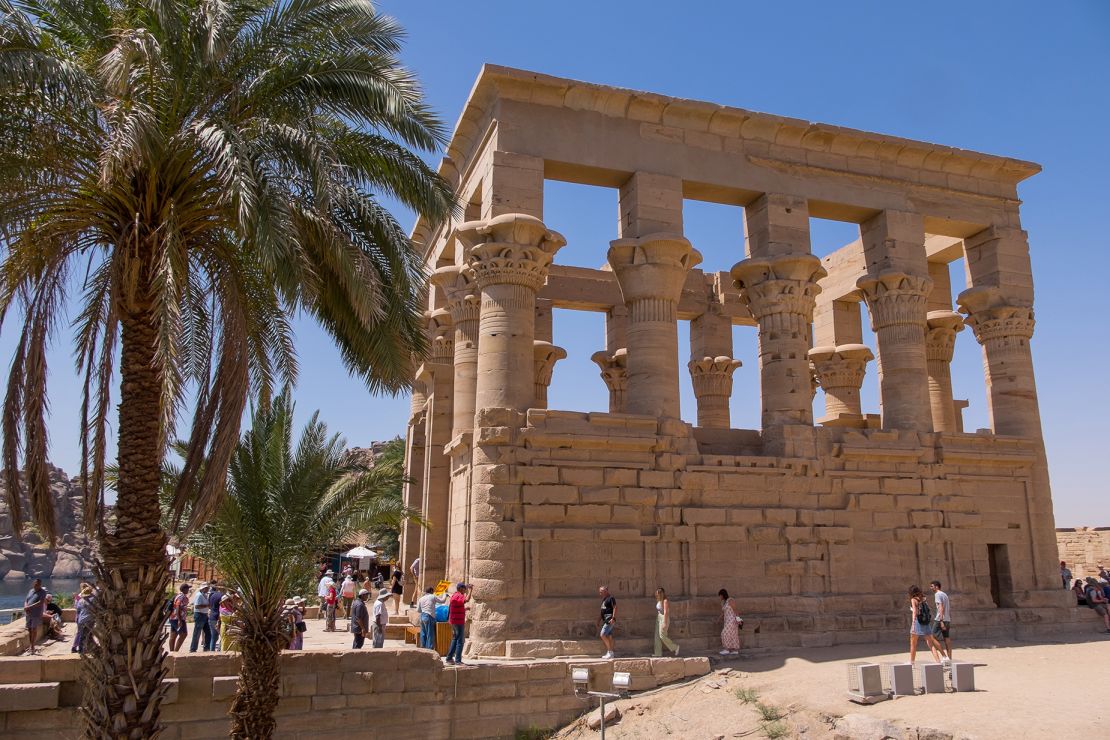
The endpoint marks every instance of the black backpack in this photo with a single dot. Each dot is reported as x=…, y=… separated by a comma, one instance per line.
x=924, y=616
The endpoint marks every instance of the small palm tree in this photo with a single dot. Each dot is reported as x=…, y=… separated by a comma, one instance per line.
x=191, y=173
x=284, y=507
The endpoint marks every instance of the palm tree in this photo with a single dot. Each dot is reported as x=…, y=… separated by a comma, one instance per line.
x=284, y=507
x=191, y=173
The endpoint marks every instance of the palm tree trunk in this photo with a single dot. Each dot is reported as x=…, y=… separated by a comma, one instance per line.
x=252, y=710
x=123, y=673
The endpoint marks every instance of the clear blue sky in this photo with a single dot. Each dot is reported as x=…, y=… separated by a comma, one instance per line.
x=1022, y=79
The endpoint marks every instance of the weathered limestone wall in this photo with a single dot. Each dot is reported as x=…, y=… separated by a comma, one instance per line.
x=358, y=694
x=1084, y=549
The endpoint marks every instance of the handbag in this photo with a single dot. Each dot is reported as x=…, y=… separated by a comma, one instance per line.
x=739, y=623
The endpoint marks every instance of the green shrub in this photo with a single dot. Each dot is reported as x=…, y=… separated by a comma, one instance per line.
x=747, y=696
x=767, y=712
x=775, y=730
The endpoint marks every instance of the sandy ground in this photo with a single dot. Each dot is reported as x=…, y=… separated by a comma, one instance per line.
x=1023, y=691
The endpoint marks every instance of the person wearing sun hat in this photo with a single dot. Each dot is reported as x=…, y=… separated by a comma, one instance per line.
x=360, y=619
x=85, y=618
x=381, y=618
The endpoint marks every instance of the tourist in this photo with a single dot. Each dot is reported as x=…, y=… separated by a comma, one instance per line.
x=607, y=620
x=1065, y=574
x=921, y=624
x=299, y=625
x=942, y=622
x=1080, y=593
x=229, y=604
x=33, y=607
x=329, y=606
x=414, y=569
x=427, y=608
x=178, y=627
x=397, y=587
x=322, y=588
x=662, y=622
x=347, y=592
x=1097, y=600
x=456, y=617
x=380, y=620
x=52, y=618
x=348, y=571
x=730, y=622
x=85, y=617
x=200, y=619
x=360, y=619
x=215, y=596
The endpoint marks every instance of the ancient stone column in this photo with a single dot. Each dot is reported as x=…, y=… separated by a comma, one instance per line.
x=417, y=400
x=712, y=380
x=614, y=371
x=839, y=371
x=1004, y=329
x=650, y=271
x=509, y=255
x=464, y=304
x=546, y=355
x=940, y=341
x=896, y=302
x=780, y=291
x=438, y=378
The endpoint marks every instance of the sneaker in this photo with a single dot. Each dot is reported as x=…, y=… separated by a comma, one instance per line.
x=723, y=652
x=608, y=656
x=459, y=662
x=733, y=652
x=677, y=648
x=449, y=662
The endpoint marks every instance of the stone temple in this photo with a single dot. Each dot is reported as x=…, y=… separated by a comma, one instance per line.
x=818, y=521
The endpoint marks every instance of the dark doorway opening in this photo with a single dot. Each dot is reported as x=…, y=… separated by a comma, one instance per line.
x=1002, y=583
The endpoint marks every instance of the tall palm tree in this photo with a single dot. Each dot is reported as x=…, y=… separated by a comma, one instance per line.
x=284, y=507
x=190, y=173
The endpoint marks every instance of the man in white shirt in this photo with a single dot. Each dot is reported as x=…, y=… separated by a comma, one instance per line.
x=427, y=606
x=322, y=590
x=380, y=618
x=943, y=620
x=200, y=619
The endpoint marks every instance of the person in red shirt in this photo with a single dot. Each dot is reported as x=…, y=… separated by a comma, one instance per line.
x=456, y=617
x=331, y=598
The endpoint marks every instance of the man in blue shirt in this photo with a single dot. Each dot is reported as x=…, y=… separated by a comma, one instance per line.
x=33, y=607
x=215, y=595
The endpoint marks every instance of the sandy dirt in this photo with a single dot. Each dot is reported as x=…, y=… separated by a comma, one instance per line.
x=1023, y=691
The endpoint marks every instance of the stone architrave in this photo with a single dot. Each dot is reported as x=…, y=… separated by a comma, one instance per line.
x=897, y=302
x=781, y=293
x=940, y=342
x=650, y=271
x=463, y=304
x=712, y=381
x=546, y=355
x=1004, y=329
x=509, y=255
x=840, y=371
x=614, y=371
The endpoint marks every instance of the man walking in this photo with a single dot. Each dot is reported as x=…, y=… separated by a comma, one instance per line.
x=347, y=592
x=607, y=619
x=322, y=588
x=200, y=619
x=33, y=607
x=381, y=618
x=427, y=607
x=360, y=619
x=943, y=620
x=414, y=568
x=329, y=605
x=215, y=595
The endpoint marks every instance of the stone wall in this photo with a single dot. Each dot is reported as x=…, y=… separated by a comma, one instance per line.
x=357, y=694
x=1084, y=549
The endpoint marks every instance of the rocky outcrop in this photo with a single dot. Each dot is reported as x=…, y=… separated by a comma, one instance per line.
x=29, y=556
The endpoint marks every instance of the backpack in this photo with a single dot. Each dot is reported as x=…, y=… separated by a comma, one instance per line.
x=924, y=616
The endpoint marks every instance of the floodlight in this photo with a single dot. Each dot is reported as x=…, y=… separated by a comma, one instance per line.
x=581, y=678
x=622, y=681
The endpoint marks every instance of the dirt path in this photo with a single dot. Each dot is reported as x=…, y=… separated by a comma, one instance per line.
x=1023, y=691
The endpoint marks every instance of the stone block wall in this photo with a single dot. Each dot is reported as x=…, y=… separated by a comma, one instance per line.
x=1084, y=549
x=359, y=694
x=819, y=545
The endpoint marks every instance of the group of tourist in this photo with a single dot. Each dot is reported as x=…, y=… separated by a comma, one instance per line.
x=1091, y=592
x=213, y=610
x=43, y=616
x=336, y=598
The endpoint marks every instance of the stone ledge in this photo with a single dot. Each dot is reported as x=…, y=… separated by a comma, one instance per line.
x=224, y=687
x=24, y=697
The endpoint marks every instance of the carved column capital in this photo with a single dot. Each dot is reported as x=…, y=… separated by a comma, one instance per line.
x=546, y=355
x=614, y=371
x=512, y=249
x=652, y=267
x=940, y=335
x=840, y=371
x=776, y=285
x=994, y=319
x=463, y=295
x=895, y=298
x=712, y=376
x=441, y=336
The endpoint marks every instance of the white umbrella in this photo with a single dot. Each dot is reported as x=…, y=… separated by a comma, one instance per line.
x=360, y=552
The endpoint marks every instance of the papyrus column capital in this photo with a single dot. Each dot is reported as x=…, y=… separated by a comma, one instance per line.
x=652, y=267
x=441, y=336
x=840, y=371
x=940, y=335
x=614, y=371
x=512, y=249
x=545, y=355
x=776, y=285
x=712, y=381
x=895, y=298
x=461, y=290
x=994, y=319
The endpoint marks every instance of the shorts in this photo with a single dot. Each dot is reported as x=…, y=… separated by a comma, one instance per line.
x=33, y=622
x=940, y=629
x=177, y=627
x=606, y=629
x=1100, y=609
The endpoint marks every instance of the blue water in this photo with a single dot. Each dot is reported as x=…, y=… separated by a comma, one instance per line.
x=12, y=593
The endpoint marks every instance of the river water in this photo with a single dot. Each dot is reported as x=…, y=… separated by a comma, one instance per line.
x=12, y=593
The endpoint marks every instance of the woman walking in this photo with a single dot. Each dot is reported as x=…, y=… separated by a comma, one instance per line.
x=662, y=622
x=85, y=617
x=730, y=632
x=397, y=588
x=921, y=624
